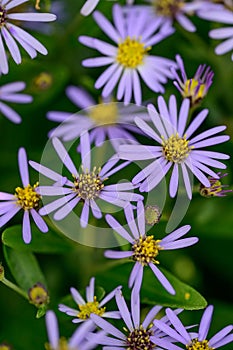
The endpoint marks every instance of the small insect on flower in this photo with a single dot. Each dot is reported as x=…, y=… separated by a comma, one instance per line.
x=11, y=33
x=145, y=249
x=216, y=188
x=195, y=88
x=25, y=198
x=129, y=58
x=192, y=340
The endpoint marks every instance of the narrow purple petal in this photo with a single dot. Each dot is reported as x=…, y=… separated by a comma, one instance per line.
x=77, y=296
x=122, y=306
x=48, y=208
x=162, y=279
x=27, y=236
x=176, y=234
x=107, y=327
x=151, y=315
x=6, y=217
x=52, y=329
x=220, y=335
x=64, y=156
x=85, y=151
x=205, y=323
x=113, y=254
x=178, y=325
x=23, y=166
x=66, y=209
x=116, y=226
x=85, y=214
x=10, y=113
x=40, y=223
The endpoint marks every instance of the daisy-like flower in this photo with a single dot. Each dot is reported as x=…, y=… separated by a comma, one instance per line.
x=177, y=148
x=11, y=34
x=216, y=188
x=128, y=58
x=77, y=341
x=192, y=341
x=145, y=248
x=138, y=335
x=195, y=88
x=10, y=93
x=104, y=120
x=90, y=306
x=169, y=11
x=86, y=186
x=218, y=13
x=25, y=198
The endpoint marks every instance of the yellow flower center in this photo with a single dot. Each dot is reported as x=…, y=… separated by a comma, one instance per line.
x=104, y=113
x=38, y=295
x=176, y=148
x=190, y=90
x=199, y=345
x=5, y=347
x=139, y=339
x=2, y=16
x=91, y=307
x=168, y=8
x=131, y=53
x=63, y=345
x=146, y=249
x=89, y=184
x=27, y=197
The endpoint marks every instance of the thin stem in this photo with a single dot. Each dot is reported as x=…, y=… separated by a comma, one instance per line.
x=14, y=287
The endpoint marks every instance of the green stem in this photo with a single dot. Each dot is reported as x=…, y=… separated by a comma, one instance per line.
x=14, y=287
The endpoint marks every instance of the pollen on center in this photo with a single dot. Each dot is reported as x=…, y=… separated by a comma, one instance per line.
x=131, y=52
x=176, y=149
x=91, y=307
x=145, y=250
x=27, y=197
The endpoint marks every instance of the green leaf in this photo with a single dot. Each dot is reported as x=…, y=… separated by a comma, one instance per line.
x=41, y=312
x=152, y=292
x=49, y=242
x=24, y=268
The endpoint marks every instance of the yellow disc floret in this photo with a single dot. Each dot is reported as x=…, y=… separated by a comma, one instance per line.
x=63, y=345
x=194, y=90
x=176, y=148
x=2, y=16
x=88, y=184
x=168, y=8
x=131, y=53
x=139, y=339
x=92, y=307
x=27, y=197
x=104, y=113
x=145, y=250
x=199, y=345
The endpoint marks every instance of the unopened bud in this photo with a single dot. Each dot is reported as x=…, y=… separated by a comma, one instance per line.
x=216, y=189
x=43, y=81
x=38, y=295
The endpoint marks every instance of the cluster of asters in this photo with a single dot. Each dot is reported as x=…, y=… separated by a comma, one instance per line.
x=172, y=145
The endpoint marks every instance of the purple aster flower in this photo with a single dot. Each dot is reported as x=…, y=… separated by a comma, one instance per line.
x=216, y=188
x=145, y=248
x=91, y=305
x=10, y=33
x=87, y=185
x=192, y=341
x=170, y=11
x=138, y=334
x=10, y=93
x=218, y=13
x=77, y=341
x=25, y=198
x=104, y=120
x=128, y=59
x=196, y=88
x=177, y=148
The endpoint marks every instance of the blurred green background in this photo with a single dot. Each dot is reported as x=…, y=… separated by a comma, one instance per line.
x=207, y=266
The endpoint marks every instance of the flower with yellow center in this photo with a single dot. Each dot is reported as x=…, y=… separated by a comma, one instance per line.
x=104, y=113
x=176, y=148
x=27, y=197
x=199, y=345
x=131, y=52
x=168, y=8
x=90, y=306
x=88, y=184
x=145, y=250
x=62, y=345
x=139, y=339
